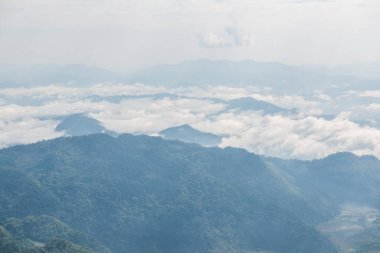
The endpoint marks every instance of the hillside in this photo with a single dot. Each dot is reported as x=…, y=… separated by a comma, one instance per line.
x=145, y=194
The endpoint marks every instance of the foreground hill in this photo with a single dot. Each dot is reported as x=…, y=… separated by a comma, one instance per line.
x=97, y=193
x=144, y=194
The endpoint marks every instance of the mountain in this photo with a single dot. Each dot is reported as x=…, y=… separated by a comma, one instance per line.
x=80, y=124
x=340, y=178
x=348, y=186
x=38, y=234
x=37, y=75
x=12, y=244
x=188, y=134
x=360, y=70
x=145, y=194
x=97, y=193
x=279, y=76
x=251, y=104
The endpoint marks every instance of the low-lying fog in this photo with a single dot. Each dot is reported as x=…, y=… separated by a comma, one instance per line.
x=286, y=126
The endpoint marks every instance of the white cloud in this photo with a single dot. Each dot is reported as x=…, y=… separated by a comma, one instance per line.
x=291, y=102
x=374, y=107
x=233, y=36
x=322, y=96
x=370, y=93
x=295, y=136
x=212, y=40
x=26, y=130
x=218, y=91
x=151, y=116
x=240, y=36
x=305, y=138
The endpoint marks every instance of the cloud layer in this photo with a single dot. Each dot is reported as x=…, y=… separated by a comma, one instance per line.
x=30, y=115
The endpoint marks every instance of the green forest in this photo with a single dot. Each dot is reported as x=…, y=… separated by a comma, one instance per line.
x=102, y=194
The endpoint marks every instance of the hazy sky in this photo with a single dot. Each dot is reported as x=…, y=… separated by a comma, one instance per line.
x=130, y=34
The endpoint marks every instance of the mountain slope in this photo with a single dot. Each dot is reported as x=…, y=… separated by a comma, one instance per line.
x=14, y=244
x=347, y=187
x=338, y=179
x=144, y=194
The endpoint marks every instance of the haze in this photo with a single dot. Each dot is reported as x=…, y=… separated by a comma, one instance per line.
x=129, y=35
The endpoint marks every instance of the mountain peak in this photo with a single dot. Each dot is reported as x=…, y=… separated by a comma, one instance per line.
x=187, y=133
x=79, y=124
x=250, y=103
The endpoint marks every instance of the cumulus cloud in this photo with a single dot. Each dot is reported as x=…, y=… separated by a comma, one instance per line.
x=370, y=93
x=305, y=138
x=240, y=36
x=212, y=40
x=233, y=36
x=374, y=107
x=26, y=130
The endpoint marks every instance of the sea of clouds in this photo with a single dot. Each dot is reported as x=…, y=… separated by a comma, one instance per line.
x=322, y=123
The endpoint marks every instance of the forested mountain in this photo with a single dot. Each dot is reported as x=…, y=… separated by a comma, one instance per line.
x=80, y=124
x=188, y=134
x=97, y=193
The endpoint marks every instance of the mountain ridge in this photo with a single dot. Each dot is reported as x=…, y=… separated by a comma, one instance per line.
x=194, y=72
x=184, y=187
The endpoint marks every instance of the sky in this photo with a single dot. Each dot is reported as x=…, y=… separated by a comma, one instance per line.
x=126, y=35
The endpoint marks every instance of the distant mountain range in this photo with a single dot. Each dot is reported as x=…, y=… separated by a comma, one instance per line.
x=200, y=72
x=97, y=193
x=281, y=77
x=361, y=70
x=39, y=75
